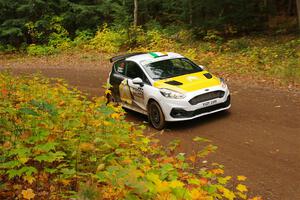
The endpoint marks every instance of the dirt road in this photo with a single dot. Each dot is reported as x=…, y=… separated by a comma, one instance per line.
x=258, y=138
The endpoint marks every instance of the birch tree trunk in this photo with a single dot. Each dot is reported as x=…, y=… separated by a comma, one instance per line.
x=135, y=13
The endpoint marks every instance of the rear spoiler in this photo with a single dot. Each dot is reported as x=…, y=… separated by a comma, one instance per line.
x=121, y=57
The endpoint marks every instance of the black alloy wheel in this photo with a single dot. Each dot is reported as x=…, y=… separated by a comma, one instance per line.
x=156, y=116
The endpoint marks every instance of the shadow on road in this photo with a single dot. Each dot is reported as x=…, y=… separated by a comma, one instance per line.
x=181, y=125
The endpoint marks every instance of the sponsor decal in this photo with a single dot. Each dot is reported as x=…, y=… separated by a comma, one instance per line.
x=137, y=92
x=192, y=78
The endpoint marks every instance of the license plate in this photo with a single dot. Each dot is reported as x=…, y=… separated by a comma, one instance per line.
x=209, y=103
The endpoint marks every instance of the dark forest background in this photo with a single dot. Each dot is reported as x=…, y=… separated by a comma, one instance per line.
x=18, y=19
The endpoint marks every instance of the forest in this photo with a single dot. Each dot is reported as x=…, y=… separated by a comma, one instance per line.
x=31, y=21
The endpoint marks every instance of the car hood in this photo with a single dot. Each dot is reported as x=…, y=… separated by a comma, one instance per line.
x=189, y=82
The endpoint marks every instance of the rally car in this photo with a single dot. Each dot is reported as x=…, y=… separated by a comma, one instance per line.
x=166, y=87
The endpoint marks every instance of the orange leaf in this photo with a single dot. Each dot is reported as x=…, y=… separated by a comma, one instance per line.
x=192, y=158
x=256, y=198
x=241, y=178
x=203, y=181
x=217, y=171
x=4, y=92
x=28, y=194
x=86, y=146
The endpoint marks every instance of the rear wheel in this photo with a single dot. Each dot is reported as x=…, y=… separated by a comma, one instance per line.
x=156, y=116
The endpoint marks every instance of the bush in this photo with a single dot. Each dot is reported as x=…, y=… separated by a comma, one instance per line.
x=237, y=44
x=57, y=144
x=82, y=37
x=41, y=50
x=108, y=40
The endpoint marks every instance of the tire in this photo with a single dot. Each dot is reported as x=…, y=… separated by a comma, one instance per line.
x=156, y=116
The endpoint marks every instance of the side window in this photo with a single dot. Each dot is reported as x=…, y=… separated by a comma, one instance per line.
x=120, y=67
x=134, y=71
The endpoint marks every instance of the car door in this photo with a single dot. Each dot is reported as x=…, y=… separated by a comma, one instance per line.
x=133, y=70
x=118, y=80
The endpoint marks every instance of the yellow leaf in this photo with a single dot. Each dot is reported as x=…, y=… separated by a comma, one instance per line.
x=23, y=160
x=28, y=194
x=115, y=116
x=197, y=194
x=29, y=179
x=108, y=92
x=241, y=178
x=242, y=195
x=228, y=194
x=162, y=187
x=241, y=188
x=100, y=167
x=106, y=123
x=175, y=184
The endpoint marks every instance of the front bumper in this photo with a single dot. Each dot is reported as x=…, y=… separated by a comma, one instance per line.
x=182, y=109
x=181, y=113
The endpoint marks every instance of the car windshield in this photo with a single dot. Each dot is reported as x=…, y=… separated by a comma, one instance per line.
x=171, y=68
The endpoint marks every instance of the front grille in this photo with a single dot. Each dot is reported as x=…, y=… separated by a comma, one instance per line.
x=206, y=97
x=181, y=113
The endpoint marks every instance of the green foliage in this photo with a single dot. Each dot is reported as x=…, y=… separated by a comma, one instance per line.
x=55, y=143
x=40, y=50
x=82, y=37
x=27, y=21
x=108, y=40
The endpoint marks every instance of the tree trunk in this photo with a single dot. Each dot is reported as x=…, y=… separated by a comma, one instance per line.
x=135, y=13
x=298, y=12
x=190, y=12
x=289, y=8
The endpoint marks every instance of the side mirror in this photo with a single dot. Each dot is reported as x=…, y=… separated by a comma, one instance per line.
x=202, y=67
x=138, y=81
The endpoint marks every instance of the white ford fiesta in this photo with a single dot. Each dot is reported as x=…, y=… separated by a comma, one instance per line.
x=166, y=87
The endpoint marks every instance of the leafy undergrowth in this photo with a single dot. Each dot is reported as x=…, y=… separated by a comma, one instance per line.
x=274, y=57
x=56, y=144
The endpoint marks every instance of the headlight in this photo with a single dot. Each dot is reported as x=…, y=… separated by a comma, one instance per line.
x=223, y=84
x=171, y=94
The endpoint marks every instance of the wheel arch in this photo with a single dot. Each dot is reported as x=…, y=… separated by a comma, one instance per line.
x=151, y=99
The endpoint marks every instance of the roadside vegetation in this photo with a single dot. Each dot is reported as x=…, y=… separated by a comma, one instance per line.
x=258, y=38
x=276, y=57
x=55, y=144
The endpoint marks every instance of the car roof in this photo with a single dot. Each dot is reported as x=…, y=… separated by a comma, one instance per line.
x=151, y=57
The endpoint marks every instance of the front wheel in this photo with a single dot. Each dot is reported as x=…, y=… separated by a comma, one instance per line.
x=156, y=116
